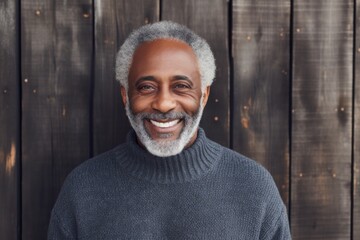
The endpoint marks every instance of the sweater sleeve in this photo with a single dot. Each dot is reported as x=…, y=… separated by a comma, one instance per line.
x=57, y=230
x=280, y=228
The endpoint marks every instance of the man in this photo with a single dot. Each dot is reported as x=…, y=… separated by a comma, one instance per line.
x=168, y=181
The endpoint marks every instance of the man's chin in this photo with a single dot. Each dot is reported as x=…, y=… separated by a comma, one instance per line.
x=165, y=144
x=163, y=137
x=163, y=148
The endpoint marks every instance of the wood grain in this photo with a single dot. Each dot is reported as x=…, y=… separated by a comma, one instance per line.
x=56, y=66
x=9, y=119
x=261, y=85
x=71, y=108
x=356, y=164
x=322, y=119
x=209, y=19
x=114, y=21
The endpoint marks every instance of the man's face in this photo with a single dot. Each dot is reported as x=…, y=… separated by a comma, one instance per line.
x=165, y=96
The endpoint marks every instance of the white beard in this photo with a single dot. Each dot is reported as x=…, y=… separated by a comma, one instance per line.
x=165, y=148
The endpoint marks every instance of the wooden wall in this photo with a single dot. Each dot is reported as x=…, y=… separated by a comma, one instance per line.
x=10, y=114
x=287, y=94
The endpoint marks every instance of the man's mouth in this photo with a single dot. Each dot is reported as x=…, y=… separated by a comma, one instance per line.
x=165, y=124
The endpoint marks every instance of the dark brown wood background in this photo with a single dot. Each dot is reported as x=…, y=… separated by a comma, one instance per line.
x=287, y=94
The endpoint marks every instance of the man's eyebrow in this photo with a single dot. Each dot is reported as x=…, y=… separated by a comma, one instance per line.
x=181, y=77
x=144, y=78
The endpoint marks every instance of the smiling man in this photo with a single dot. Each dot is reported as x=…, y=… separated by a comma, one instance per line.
x=168, y=181
x=165, y=94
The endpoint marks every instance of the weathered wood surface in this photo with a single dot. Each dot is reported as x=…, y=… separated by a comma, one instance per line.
x=56, y=79
x=261, y=85
x=9, y=119
x=68, y=114
x=356, y=164
x=114, y=20
x=322, y=119
x=209, y=19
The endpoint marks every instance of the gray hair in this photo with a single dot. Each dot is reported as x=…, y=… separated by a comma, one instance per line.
x=165, y=30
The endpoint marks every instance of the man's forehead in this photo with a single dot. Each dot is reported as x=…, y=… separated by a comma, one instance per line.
x=167, y=57
x=161, y=43
x=149, y=50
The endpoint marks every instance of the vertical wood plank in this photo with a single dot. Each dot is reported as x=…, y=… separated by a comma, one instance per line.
x=56, y=68
x=9, y=119
x=356, y=165
x=114, y=21
x=322, y=119
x=261, y=85
x=209, y=19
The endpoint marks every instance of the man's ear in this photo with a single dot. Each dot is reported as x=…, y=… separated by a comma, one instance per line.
x=123, y=95
x=206, y=94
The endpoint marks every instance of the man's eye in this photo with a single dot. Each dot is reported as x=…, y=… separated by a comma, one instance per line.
x=181, y=86
x=145, y=88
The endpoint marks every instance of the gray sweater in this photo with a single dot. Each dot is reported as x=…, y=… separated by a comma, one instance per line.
x=205, y=192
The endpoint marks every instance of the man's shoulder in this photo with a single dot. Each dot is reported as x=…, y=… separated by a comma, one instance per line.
x=246, y=172
x=97, y=167
x=250, y=180
x=242, y=163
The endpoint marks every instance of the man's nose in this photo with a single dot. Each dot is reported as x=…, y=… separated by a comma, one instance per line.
x=164, y=102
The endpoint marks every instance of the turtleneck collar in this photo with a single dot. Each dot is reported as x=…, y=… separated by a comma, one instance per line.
x=192, y=163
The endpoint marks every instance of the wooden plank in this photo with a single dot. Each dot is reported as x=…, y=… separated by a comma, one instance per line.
x=9, y=119
x=261, y=85
x=114, y=21
x=356, y=169
x=322, y=119
x=209, y=19
x=56, y=81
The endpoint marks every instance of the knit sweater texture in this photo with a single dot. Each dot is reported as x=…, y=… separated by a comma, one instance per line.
x=205, y=192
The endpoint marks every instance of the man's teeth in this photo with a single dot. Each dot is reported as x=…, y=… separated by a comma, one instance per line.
x=165, y=124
